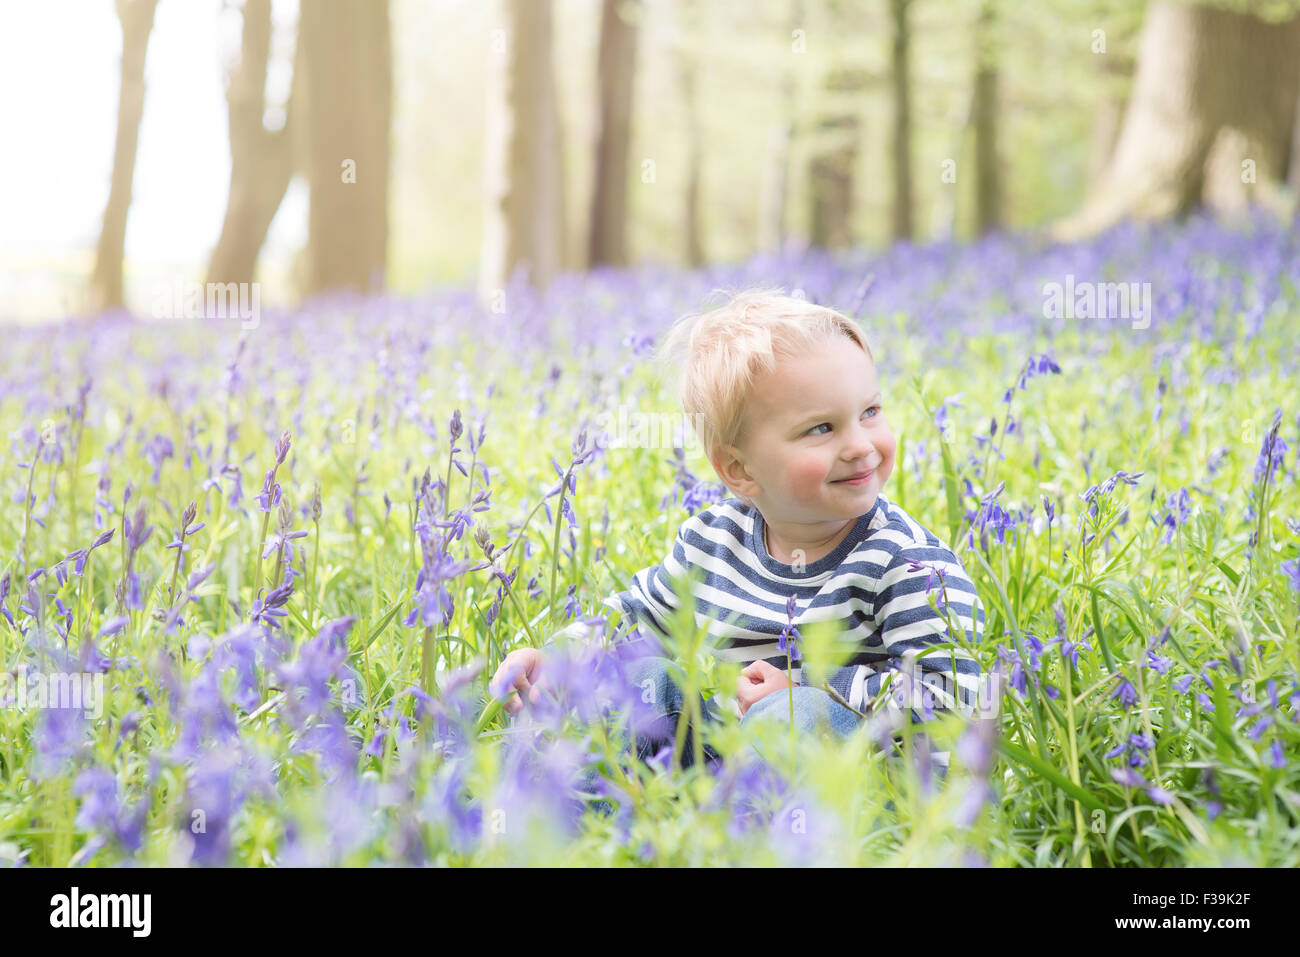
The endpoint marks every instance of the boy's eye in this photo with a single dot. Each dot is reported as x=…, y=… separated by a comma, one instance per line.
x=813, y=430
x=874, y=408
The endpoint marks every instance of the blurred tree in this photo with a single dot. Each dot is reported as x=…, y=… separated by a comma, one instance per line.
x=136, y=17
x=688, y=70
x=772, y=211
x=261, y=160
x=1210, y=117
x=1114, y=75
x=523, y=193
x=984, y=116
x=834, y=138
x=901, y=91
x=615, y=72
x=346, y=95
x=831, y=172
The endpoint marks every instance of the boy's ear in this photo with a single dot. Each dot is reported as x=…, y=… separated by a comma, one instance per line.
x=731, y=470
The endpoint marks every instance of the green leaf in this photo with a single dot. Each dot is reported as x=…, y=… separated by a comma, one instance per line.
x=383, y=623
x=950, y=491
x=1016, y=754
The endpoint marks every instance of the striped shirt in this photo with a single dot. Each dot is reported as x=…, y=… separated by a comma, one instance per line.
x=882, y=583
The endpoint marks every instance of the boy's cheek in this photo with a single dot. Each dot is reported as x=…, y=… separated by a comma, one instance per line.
x=807, y=477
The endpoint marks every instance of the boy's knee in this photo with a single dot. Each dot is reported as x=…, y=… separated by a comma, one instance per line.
x=767, y=707
x=652, y=677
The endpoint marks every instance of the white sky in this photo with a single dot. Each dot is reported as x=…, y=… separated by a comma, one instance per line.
x=59, y=80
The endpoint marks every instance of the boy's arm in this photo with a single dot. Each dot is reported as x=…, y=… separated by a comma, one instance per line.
x=919, y=679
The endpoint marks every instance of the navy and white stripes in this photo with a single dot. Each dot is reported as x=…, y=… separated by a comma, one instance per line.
x=882, y=583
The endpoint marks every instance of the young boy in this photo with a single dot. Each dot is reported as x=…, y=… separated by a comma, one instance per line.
x=786, y=401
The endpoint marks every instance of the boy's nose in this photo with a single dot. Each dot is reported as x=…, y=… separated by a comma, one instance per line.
x=858, y=445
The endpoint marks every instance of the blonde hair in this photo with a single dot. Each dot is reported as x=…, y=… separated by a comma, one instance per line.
x=716, y=356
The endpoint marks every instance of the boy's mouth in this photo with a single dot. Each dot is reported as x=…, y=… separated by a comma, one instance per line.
x=861, y=478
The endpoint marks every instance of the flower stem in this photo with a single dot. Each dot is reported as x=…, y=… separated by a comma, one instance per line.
x=311, y=592
x=27, y=504
x=555, y=547
x=176, y=568
x=257, y=578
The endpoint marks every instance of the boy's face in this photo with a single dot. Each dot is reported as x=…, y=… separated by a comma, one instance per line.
x=812, y=424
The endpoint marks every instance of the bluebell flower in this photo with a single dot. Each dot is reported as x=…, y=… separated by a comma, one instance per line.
x=1156, y=663
x=1126, y=693
x=1291, y=569
x=1128, y=777
x=790, y=637
x=1271, y=452
x=941, y=420
x=1276, y=758
x=1177, y=510
x=1260, y=726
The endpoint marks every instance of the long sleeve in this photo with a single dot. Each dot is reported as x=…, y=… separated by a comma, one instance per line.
x=908, y=625
x=649, y=599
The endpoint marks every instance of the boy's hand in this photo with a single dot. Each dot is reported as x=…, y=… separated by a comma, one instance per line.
x=757, y=681
x=520, y=671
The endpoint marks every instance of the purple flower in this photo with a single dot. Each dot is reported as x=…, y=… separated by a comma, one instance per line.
x=1276, y=758
x=1103, y=489
x=1037, y=365
x=268, y=499
x=1291, y=569
x=1177, y=510
x=1128, y=777
x=941, y=420
x=434, y=605
x=572, y=608
x=1260, y=726
x=282, y=447
x=136, y=531
x=269, y=610
x=113, y=626
x=1155, y=662
x=1126, y=693
x=790, y=637
x=1271, y=452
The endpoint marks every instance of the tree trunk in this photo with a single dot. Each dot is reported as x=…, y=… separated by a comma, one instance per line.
x=902, y=143
x=1213, y=103
x=261, y=160
x=615, y=72
x=831, y=171
x=944, y=212
x=347, y=59
x=984, y=113
x=772, y=208
x=136, y=17
x=523, y=177
x=688, y=71
x=1293, y=161
x=1116, y=72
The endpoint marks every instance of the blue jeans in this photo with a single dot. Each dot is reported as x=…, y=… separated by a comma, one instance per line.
x=813, y=708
